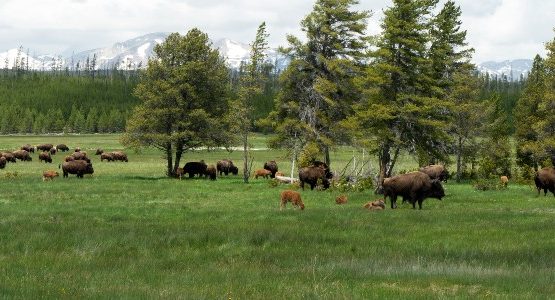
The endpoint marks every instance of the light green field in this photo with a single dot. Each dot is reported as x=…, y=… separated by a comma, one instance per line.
x=129, y=232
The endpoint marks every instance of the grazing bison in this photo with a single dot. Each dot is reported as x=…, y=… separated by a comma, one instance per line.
x=2, y=162
x=195, y=168
x=45, y=156
x=272, y=167
x=226, y=166
x=262, y=173
x=62, y=147
x=106, y=156
x=120, y=156
x=211, y=172
x=69, y=158
x=22, y=155
x=78, y=167
x=8, y=156
x=545, y=179
x=80, y=156
x=293, y=197
x=45, y=147
x=53, y=151
x=312, y=175
x=99, y=151
x=504, y=181
x=414, y=187
x=49, y=175
x=341, y=199
x=436, y=172
x=28, y=148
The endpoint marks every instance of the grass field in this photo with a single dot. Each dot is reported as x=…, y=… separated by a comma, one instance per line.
x=128, y=232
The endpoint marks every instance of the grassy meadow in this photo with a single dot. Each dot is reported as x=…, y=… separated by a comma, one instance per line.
x=129, y=232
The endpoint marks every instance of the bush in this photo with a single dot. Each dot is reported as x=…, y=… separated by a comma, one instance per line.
x=489, y=184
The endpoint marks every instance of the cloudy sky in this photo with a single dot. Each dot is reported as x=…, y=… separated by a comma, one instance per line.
x=497, y=29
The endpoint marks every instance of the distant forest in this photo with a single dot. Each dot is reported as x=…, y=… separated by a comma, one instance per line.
x=39, y=102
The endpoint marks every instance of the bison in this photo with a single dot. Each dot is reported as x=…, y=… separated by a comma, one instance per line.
x=69, y=158
x=99, y=151
x=293, y=197
x=8, y=156
x=375, y=205
x=504, y=181
x=80, y=156
x=195, y=168
x=62, y=147
x=106, y=156
x=77, y=149
x=179, y=173
x=45, y=147
x=53, y=151
x=226, y=166
x=414, y=187
x=341, y=199
x=436, y=172
x=49, y=175
x=3, y=161
x=272, y=167
x=312, y=175
x=45, y=156
x=22, y=155
x=262, y=173
x=28, y=148
x=545, y=179
x=211, y=172
x=78, y=167
x=120, y=156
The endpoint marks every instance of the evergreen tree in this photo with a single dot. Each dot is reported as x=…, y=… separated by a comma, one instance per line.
x=91, y=124
x=183, y=96
x=495, y=157
x=318, y=85
x=546, y=126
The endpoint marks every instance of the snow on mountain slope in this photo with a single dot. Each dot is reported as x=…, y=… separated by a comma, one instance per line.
x=513, y=69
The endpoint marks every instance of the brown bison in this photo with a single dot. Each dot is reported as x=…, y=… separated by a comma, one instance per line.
x=262, y=173
x=69, y=158
x=272, y=167
x=106, y=156
x=293, y=197
x=119, y=156
x=179, y=173
x=211, y=172
x=77, y=149
x=342, y=199
x=49, y=175
x=226, y=166
x=195, y=168
x=375, y=205
x=78, y=167
x=545, y=179
x=45, y=147
x=436, y=172
x=80, y=156
x=45, y=156
x=2, y=162
x=99, y=151
x=22, y=155
x=8, y=156
x=312, y=175
x=504, y=180
x=62, y=147
x=28, y=148
x=53, y=151
x=414, y=187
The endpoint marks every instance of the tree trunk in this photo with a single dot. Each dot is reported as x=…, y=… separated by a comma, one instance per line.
x=384, y=160
x=169, y=158
x=459, y=159
x=393, y=161
x=327, y=156
x=246, y=171
x=178, y=154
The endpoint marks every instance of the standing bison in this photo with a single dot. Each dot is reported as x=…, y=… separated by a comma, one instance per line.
x=62, y=147
x=272, y=167
x=211, y=172
x=226, y=166
x=45, y=156
x=436, y=172
x=195, y=168
x=53, y=151
x=45, y=147
x=80, y=156
x=312, y=175
x=22, y=155
x=106, y=156
x=78, y=167
x=545, y=179
x=119, y=155
x=2, y=162
x=8, y=156
x=28, y=148
x=99, y=151
x=414, y=187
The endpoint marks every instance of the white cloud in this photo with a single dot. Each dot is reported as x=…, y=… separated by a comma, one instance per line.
x=497, y=29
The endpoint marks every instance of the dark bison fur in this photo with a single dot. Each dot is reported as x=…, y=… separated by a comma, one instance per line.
x=195, y=168
x=78, y=167
x=436, y=172
x=8, y=156
x=99, y=151
x=62, y=147
x=272, y=167
x=545, y=179
x=211, y=172
x=311, y=175
x=53, y=151
x=45, y=147
x=2, y=162
x=414, y=187
x=120, y=156
x=28, y=148
x=226, y=166
x=321, y=164
x=80, y=156
x=106, y=156
x=22, y=155
x=45, y=156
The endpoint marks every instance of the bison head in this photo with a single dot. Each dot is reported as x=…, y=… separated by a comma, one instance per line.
x=234, y=170
x=436, y=191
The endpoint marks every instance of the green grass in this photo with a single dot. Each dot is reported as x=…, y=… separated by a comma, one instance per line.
x=128, y=232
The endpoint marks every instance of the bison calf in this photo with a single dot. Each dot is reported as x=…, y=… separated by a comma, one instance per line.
x=375, y=205
x=293, y=197
x=262, y=173
x=49, y=175
x=341, y=199
x=211, y=172
x=504, y=180
x=179, y=173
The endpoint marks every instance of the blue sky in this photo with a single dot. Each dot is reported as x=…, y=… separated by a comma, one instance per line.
x=497, y=29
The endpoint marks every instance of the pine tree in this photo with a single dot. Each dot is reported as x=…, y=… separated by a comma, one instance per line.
x=318, y=85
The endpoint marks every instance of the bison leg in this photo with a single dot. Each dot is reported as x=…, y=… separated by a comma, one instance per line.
x=302, y=185
x=393, y=199
x=312, y=186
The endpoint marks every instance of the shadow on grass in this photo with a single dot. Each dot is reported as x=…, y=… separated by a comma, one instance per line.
x=145, y=178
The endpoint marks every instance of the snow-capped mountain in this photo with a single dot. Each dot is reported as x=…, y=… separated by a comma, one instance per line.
x=510, y=68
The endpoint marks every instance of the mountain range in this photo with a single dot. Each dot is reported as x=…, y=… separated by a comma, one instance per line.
x=134, y=53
